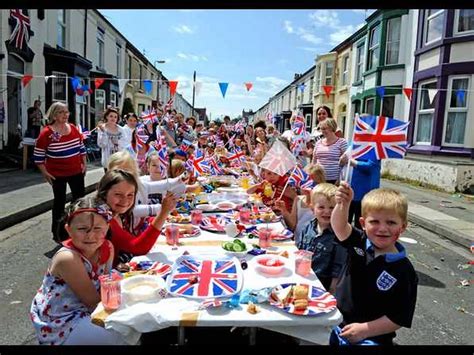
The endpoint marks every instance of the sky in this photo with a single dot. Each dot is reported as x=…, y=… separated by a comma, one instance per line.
x=264, y=47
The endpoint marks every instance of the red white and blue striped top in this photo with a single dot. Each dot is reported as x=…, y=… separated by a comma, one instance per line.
x=62, y=155
x=328, y=156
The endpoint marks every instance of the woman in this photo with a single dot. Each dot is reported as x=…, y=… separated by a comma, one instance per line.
x=61, y=157
x=329, y=150
x=323, y=112
x=111, y=137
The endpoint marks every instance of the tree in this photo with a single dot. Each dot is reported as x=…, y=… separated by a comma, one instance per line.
x=127, y=107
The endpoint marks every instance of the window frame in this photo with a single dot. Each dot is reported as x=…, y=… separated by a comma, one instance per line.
x=440, y=12
x=118, y=58
x=140, y=83
x=100, y=40
x=59, y=76
x=383, y=102
x=456, y=25
x=99, y=114
x=372, y=49
x=113, y=99
x=365, y=105
x=345, y=70
x=326, y=76
x=387, y=45
x=424, y=111
x=449, y=109
x=318, y=78
x=61, y=26
x=360, y=65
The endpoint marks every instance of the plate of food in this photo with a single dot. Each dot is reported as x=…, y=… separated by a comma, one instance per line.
x=214, y=223
x=230, y=189
x=178, y=218
x=188, y=231
x=235, y=247
x=207, y=207
x=226, y=205
x=302, y=299
x=277, y=234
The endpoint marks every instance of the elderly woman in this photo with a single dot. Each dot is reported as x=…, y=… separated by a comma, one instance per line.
x=61, y=157
x=329, y=150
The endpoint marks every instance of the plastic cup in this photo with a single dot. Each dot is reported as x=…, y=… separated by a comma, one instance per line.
x=244, y=215
x=110, y=292
x=245, y=182
x=303, y=259
x=172, y=234
x=196, y=217
x=265, y=237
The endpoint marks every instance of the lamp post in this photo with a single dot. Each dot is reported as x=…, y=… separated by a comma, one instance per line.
x=158, y=81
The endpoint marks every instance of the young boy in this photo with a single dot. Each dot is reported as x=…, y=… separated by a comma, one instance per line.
x=377, y=291
x=317, y=236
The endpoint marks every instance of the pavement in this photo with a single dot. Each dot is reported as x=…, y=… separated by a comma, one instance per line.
x=24, y=194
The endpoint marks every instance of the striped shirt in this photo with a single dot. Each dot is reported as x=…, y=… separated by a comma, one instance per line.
x=61, y=155
x=328, y=156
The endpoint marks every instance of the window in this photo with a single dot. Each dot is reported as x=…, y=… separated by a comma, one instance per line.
x=425, y=114
x=59, y=86
x=62, y=28
x=129, y=68
x=100, y=47
x=345, y=70
x=311, y=83
x=359, y=62
x=465, y=21
x=113, y=99
x=369, y=106
x=393, y=40
x=374, y=39
x=318, y=78
x=141, y=108
x=457, y=108
x=356, y=105
x=308, y=122
x=99, y=103
x=433, y=25
x=328, y=73
x=289, y=100
x=388, y=106
x=141, y=76
x=118, y=59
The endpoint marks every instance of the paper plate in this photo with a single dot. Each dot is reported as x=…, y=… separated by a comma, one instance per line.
x=205, y=276
x=206, y=207
x=319, y=301
x=278, y=234
x=214, y=224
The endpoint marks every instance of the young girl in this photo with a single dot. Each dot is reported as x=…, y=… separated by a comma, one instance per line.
x=61, y=309
x=118, y=188
x=111, y=137
x=139, y=150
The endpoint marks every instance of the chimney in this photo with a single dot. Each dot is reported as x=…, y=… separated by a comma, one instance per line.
x=297, y=76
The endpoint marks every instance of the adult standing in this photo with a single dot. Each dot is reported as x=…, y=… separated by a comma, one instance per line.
x=111, y=137
x=61, y=157
x=323, y=112
x=35, y=117
x=329, y=150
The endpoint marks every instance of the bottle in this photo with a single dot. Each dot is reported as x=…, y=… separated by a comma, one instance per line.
x=268, y=191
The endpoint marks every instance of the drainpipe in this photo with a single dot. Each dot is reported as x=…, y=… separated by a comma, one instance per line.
x=85, y=34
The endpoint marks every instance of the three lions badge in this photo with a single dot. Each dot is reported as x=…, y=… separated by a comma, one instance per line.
x=385, y=281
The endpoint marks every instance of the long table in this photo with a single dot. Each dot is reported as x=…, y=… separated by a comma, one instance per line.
x=182, y=312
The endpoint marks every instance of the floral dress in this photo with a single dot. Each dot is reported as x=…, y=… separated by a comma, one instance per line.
x=56, y=309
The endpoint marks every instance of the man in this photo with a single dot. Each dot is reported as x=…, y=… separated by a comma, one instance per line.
x=35, y=117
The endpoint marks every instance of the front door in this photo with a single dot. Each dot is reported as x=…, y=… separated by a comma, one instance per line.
x=14, y=113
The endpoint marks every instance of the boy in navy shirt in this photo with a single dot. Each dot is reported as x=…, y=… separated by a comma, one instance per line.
x=377, y=291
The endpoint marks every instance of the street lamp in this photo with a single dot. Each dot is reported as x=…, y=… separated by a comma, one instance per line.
x=158, y=81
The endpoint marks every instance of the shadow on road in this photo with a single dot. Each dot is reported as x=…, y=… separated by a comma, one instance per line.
x=426, y=280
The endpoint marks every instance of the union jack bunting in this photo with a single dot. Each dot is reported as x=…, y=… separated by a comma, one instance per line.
x=278, y=159
x=299, y=178
x=213, y=278
x=21, y=32
x=236, y=157
x=200, y=165
x=379, y=137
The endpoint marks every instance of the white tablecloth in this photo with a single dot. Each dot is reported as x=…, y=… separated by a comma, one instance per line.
x=180, y=311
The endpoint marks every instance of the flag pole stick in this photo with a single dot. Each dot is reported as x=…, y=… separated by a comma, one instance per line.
x=349, y=169
x=286, y=183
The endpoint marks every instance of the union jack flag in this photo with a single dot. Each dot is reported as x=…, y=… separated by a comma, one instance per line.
x=185, y=144
x=200, y=165
x=278, y=159
x=214, y=224
x=298, y=126
x=148, y=117
x=84, y=132
x=21, y=32
x=169, y=104
x=214, y=278
x=379, y=137
x=162, y=150
x=319, y=301
x=219, y=141
x=237, y=157
x=239, y=127
x=214, y=167
x=299, y=178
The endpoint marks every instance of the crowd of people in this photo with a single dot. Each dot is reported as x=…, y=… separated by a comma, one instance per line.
x=351, y=228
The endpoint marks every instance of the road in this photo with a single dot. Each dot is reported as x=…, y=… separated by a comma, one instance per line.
x=443, y=315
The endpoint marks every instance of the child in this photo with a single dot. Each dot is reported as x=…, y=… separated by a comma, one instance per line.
x=377, y=291
x=317, y=236
x=277, y=183
x=111, y=137
x=61, y=309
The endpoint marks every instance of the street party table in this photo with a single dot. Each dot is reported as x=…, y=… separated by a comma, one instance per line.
x=174, y=311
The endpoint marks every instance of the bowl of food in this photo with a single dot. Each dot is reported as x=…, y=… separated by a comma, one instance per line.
x=270, y=264
x=206, y=207
x=235, y=247
x=226, y=205
x=143, y=288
